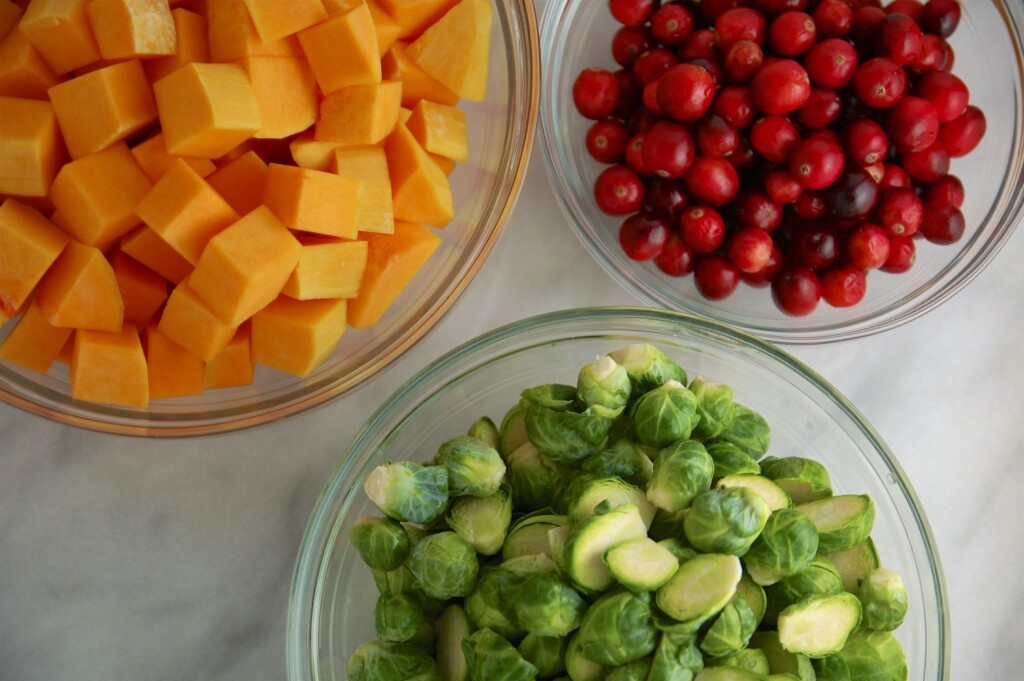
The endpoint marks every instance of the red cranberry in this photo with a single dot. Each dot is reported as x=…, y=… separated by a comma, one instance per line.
x=902, y=254
x=643, y=235
x=668, y=150
x=606, y=140
x=712, y=180
x=595, y=93
x=743, y=60
x=652, y=65
x=792, y=34
x=715, y=137
x=961, y=135
x=821, y=109
x=635, y=155
x=618, y=190
x=948, y=57
x=740, y=24
x=949, y=190
x=895, y=177
x=780, y=87
x=933, y=54
x=716, y=278
x=632, y=12
x=899, y=39
x=832, y=63
x=649, y=98
x=750, y=248
x=703, y=229
x=941, y=17
x=865, y=142
x=629, y=42
x=712, y=67
x=815, y=247
x=796, y=291
x=827, y=134
x=868, y=246
x=927, y=166
x=947, y=93
x=700, y=44
x=866, y=21
x=712, y=9
x=943, y=224
x=686, y=92
x=774, y=138
x=854, y=194
x=763, y=277
x=667, y=198
x=816, y=162
x=629, y=94
x=844, y=286
x=912, y=8
x=782, y=188
x=672, y=24
x=900, y=211
x=834, y=18
x=880, y=83
x=773, y=8
x=735, y=105
x=756, y=209
x=641, y=120
x=676, y=258
x=912, y=124
x=811, y=205
x=744, y=157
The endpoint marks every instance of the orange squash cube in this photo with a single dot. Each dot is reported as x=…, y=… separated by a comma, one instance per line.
x=359, y=114
x=148, y=248
x=286, y=94
x=154, y=159
x=311, y=153
x=295, y=336
x=23, y=73
x=132, y=28
x=388, y=30
x=103, y=106
x=417, y=84
x=31, y=243
x=456, y=49
x=31, y=150
x=338, y=6
x=232, y=35
x=206, y=109
x=446, y=164
x=312, y=200
x=9, y=15
x=413, y=16
x=420, y=189
x=440, y=130
x=327, y=269
x=370, y=164
x=142, y=290
x=97, y=195
x=233, y=366
x=68, y=351
x=241, y=182
x=343, y=50
x=60, y=32
x=190, y=323
x=173, y=371
x=275, y=19
x=80, y=291
x=110, y=367
x=34, y=343
x=185, y=210
x=189, y=45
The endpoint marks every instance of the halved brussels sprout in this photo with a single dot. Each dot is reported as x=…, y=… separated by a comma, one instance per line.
x=773, y=495
x=676, y=548
x=529, y=535
x=636, y=670
x=579, y=667
x=617, y=629
x=603, y=386
x=681, y=472
x=587, y=542
x=780, y=660
x=382, y=543
x=803, y=479
x=408, y=491
x=451, y=629
x=728, y=674
x=748, y=431
x=747, y=661
x=445, y=565
x=615, y=491
x=548, y=605
x=842, y=521
x=676, y=658
x=648, y=367
x=621, y=459
x=546, y=653
x=641, y=564
x=388, y=660
x=855, y=563
x=786, y=545
x=482, y=521
x=884, y=599
x=866, y=655
x=397, y=617
x=700, y=588
x=820, y=578
x=557, y=537
x=489, y=656
x=755, y=596
x=714, y=407
x=731, y=460
x=664, y=415
x=536, y=481
x=474, y=468
x=731, y=629
x=725, y=520
x=819, y=625
x=512, y=433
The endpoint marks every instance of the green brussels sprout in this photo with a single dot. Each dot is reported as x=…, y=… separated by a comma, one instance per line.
x=621, y=459
x=641, y=564
x=668, y=526
x=474, y=468
x=491, y=657
x=819, y=578
x=842, y=521
x=637, y=670
x=731, y=630
x=884, y=599
x=731, y=460
x=714, y=407
x=681, y=472
x=617, y=629
x=587, y=542
x=536, y=481
x=648, y=367
x=786, y=545
x=819, y=625
x=452, y=628
x=483, y=429
x=382, y=543
x=753, y=593
x=512, y=434
x=748, y=431
x=491, y=603
x=867, y=655
x=557, y=536
x=565, y=436
x=725, y=520
x=445, y=565
x=773, y=495
x=675, y=659
x=482, y=521
x=616, y=491
x=529, y=535
x=676, y=548
x=397, y=617
x=388, y=660
x=548, y=605
x=699, y=589
x=579, y=667
x=664, y=415
x=749, y=663
x=780, y=660
x=546, y=653
x=557, y=396
x=603, y=386
x=855, y=563
x=408, y=491
x=803, y=479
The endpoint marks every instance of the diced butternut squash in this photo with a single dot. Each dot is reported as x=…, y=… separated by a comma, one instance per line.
x=446, y=164
x=185, y=210
x=312, y=200
x=388, y=30
x=456, y=48
x=102, y=107
x=206, y=109
x=440, y=130
x=309, y=152
x=413, y=16
x=80, y=291
x=233, y=366
x=417, y=84
x=295, y=336
x=147, y=247
x=370, y=164
x=30, y=244
x=190, y=45
x=232, y=35
x=343, y=50
x=327, y=269
x=97, y=195
x=34, y=343
x=68, y=351
x=420, y=188
x=241, y=182
x=110, y=367
x=285, y=92
x=258, y=147
x=359, y=114
x=391, y=263
x=9, y=15
x=173, y=371
x=244, y=267
x=31, y=150
x=338, y=6
x=190, y=323
x=142, y=290
x=23, y=73
x=154, y=159
x=60, y=32
x=132, y=28
x=275, y=19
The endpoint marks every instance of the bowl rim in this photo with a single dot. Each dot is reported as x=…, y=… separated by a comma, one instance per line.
x=470, y=356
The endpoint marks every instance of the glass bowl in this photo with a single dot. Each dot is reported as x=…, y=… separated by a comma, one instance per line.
x=333, y=594
x=501, y=132
x=989, y=46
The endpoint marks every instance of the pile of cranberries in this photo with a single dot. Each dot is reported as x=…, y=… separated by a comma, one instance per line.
x=796, y=144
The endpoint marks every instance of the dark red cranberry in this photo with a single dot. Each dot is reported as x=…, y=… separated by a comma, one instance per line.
x=735, y=105
x=894, y=177
x=744, y=157
x=595, y=93
x=902, y=254
x=676, y=258
x=700, y=44
x=834, y=18
x=927, y=166
x=943, y=224
x=811, y=205
x=649, y=98
x=618, y=190
x=712, y=180
x=792, y=34
x=782, y=188
x=900, y=212
x=740, y=24
x=715, y=137
x=815, y=247
x=606, y=140
x=703, y=229
x=821, y=109
x=756, y=209
x=686, y=92
x=629, y=42
x=865, y=142
x=668, y=150
x=712, y=9
x=774, y=8
x=635, y=155
x=866, y=21
x=652, y=65
x=854, y=194
x=750, y=248
x=948, y=57
x=667, y=198
x=672, y=24
x=643, y=235
x=880, y=83
x=816, y=162
x=949, y=190
x=828, y=134
x=632, y=12
x=629, y=95
x=712, y=67
x=763, y=277
x=774, y=138
x=780, y=87
x=912, y=124
x=832, y=63
x=947, y=93
x=961, y=135
x=899, y=39
x=796, y=291
x=868, y=246
x=716, y=278
x=742, y=61
x=844, y=286
x=933, y=54
x=641, y=120
x=912, y=8
x=941, y=17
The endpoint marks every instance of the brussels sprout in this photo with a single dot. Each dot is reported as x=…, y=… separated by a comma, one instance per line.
x=731, y=630
x=491, y=604
x=780, y=660
x=675, y=659
x=382, y=543
x=668, y=526
x=489, y=656
x=546, y=653
x=820, y=578
x=803, y=479
x=452, y=628
x=548, y=605
x=773, y=495
x=700, y=588
x=664, y=415
x=648, y=367
x=748, y=661
x=579, y=667
x=621, y=459
x=867, y=655
x=637, y=670
x=482, y=521
x=587, y=542
x=731, y=460
x=842, y=521
x=617, y=629
x=603, y=386
x=388, y=660
x=557, y=537
x=615, y=491
x=748, y=431
x=424, y=638
x=556, y=396
x=728, y=674
x=786, y=545
x=754, y=595
x=855, y=563
x=445, y=565
x=397, y=617
x=783, y=677
x=535, y=480
x=819, y=625
x=529, y=535
x=641, y=564
x=483, y=429
x=714, y=407
x=408, y=491
x=725, y=520
x=565, y=436
x=681, y=472
x=884, y=599
x=676, y=548
x=474, y=468
x=512, y=434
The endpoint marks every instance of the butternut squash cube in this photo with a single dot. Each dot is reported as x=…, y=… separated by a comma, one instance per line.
x=440, y=130
x=375, y=212
x=31, y=243
x=392, y=261
x=148, y=248
x=456, y=49
x=413, y=16
x=275, y=19
x=185, y=210
x=327, y=269
x=189, y=45
x=132, y=28
x=80, y=291
x=110, y=367
x=417, y=84
x=286, y=94
x=97, y=195
x=31, y=150
x=142, y=290
x=206, y=109
x=312, y=200
x=68, y=351
x=34, y=343
x=338, y=6
x=295, y=336
x=388, y=30
x=343, y=50
x=359, y=114
x=190, y=323
x=173, y=371
x=420, y=189
x=252, y=144
x=103, y=106
x=446, y=164
x=233, y=366
x=23, y=73
x=232, y=35
x=60, y=31
x=9, y=15
x=154, y=159
x=309, y=152
x=241, y=182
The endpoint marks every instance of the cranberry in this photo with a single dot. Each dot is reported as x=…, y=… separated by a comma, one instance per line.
x=672, y=24
x=774, y=8
x=632, y=12
x=900, y=211
x=796, y=291
x=933, y=54
x=740, y=24
x=876, y=171
x=948, y=57
x=844, y=286
x=712, y=67
x=606, y=140
x=649, y=99
x=703, y=229
x=949, y=190
x=832, y=63
x=834, y=18
x=595, y=93
x=700, y=44
x=792, y=34
x=941, y=17
x=668, y=150
x=744, y=158
x=756, y=209
x=912, y=124
x=895, y=177
x=865, y=142
x=676, y=258
x=912, y=8
x=902, y=254
x=811, y=205
x=667, y=198
x=618, y=190
x=815, y=247
x=961, y=135
x=899, y=39
x=927, y=166
x=780, y=87
x=629, y=42
x=821, y=109
x=641, y=120
x=880, y=83
x=782, y=187
x=652, y=65
x=712, y=180
x=743, y=60
x=635, y=155
x=866, y=21
x=750, y=248
x=643, y=235
x=774, y=138
x=853, y=195
x=816, y=162
x=868, y=246
x=735, y=105
x=947, y=93
x=716, y=277
x=715, y=137
x=629, y=94
x=827, y=134
x=686, y=92
x=763, y=277
x=712, y=9
x=943, y=224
